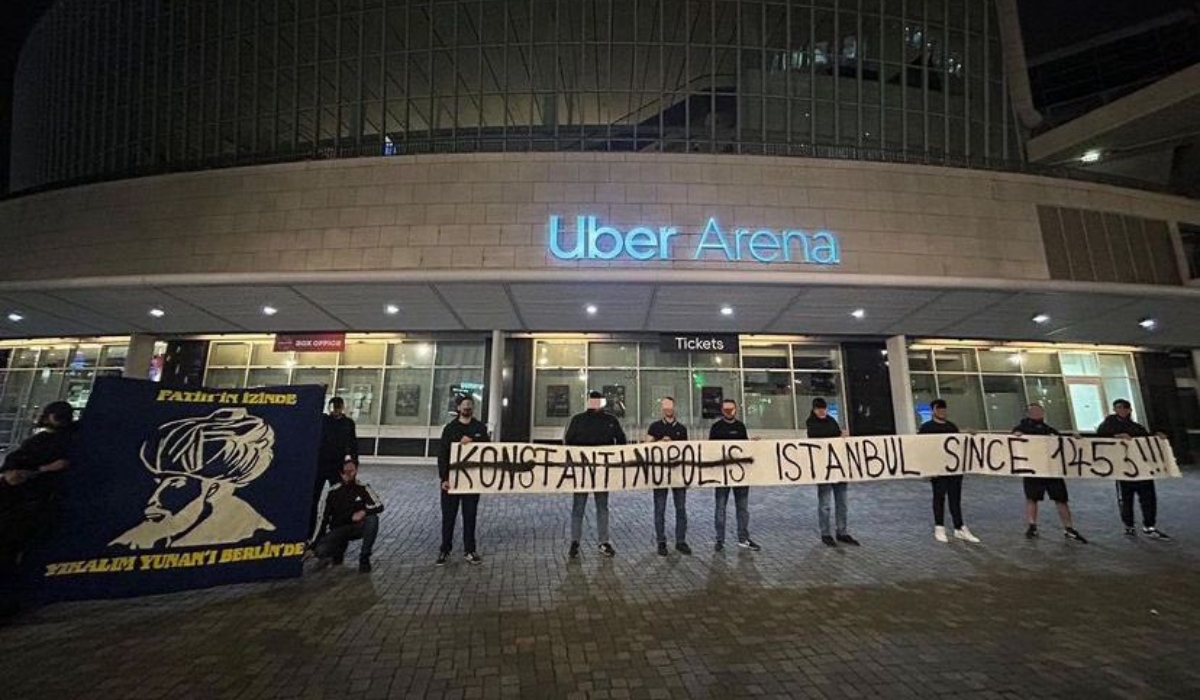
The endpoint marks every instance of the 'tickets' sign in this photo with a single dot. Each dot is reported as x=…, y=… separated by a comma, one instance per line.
x=310, y=342
x=703, y=342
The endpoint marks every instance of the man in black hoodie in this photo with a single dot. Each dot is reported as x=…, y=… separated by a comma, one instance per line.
x=592, y=428
x=1121, y=425
x=728, y=427
x=822, y=425
x=1037, y=487
x=351, y=512
x=463, y=429
x=339, y=444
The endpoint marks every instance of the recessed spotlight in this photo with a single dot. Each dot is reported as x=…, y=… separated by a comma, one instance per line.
x=269, y=310
x=157, y=313
x=726, y=310
x=391, y=309
x=858, y=313
x=1148, y=323
x=15, y=317
x=1091, y=156
x=1041, y=318
x=591, y=309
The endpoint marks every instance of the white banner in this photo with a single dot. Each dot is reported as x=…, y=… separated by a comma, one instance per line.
x=508, y=467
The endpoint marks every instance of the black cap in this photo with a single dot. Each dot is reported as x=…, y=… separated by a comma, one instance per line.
x=595, y=394
x=1122, y=402
x=819, y=403
x=938, y=403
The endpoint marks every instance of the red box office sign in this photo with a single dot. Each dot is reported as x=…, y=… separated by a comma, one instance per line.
x=310, y=342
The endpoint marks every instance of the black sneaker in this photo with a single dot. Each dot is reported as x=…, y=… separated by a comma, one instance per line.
x=1131, y=531
x=1072, y=534
x=473, y=558
x=609, y=551
x=662, y=549
x=828, y=541
x=364, y=567
x=749, y=544
x=719, y=547
x=1155, y=534
x=683, y=548
x=1031, y=532
x=847, y=539
x=574, y=551
x=442, y=557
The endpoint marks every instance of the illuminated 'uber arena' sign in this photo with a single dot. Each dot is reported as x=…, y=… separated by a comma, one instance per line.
x=592, y=241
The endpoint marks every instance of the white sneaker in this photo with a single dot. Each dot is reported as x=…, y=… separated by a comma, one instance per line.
x=939, y=533
x=963, y=533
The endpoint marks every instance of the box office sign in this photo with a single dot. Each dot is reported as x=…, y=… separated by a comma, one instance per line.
x=715, y=343
x=310, y=342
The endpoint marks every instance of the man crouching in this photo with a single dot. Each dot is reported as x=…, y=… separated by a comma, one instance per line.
x=351, y=512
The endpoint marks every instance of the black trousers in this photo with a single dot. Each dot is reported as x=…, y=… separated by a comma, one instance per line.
x=943, y=487
x=470, y=507
x=1144, y=490
x=327, y=473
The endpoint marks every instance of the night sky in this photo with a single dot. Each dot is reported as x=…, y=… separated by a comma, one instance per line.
x=1047, y=24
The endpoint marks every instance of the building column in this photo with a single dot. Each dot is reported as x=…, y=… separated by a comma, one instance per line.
x=902, y=398
x=139, y=357
x=495, y=399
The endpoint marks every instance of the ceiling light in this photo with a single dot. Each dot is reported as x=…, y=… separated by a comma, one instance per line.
x=391, y=309
x=858, y=313
x=15, y=317
x=157, y=313
x=269, y=310
x=591, y=309
x=726, y=310
x=1091, y=156
x=1041, y=318
x=1148, y=323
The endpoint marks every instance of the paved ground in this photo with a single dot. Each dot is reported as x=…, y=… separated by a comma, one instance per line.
x=901, y=617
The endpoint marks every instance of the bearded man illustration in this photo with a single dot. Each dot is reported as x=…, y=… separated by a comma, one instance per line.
x=199, y=464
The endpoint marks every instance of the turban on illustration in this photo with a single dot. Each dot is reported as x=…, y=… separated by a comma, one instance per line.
x=228, y=445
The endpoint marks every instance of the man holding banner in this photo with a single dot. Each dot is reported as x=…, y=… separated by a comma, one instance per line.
x=1120, y=424
x=1036, y=487
x=592, y=428
x=946, y=486
x=667, y=429
x=464, y=429
x=822, y=425
x=728, y=427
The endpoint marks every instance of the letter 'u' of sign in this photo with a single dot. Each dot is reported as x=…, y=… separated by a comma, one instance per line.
x=593, y=240
x=533, y=468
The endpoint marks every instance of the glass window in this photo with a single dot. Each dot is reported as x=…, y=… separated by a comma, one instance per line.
x=997, y=360
x=711, y=387
x=16, y=390
x=653, y=385
x=448, y=385
x=225, y=378
x=619, y=387
x=715, y=360
x=827, y=385
x=320, y=359
x=964, y=401
x=406, y=397
x=1040, y=362
x=356, y=354
x=924, y=390
x=360, y=389
x=229, y=355
x=651, y=356
x=270, y=376
x=919, y=361
x=85, y=356
x=612, y=354
x=114, y=355
x=1120, y=388
x=955, y=360
x=558, y=354
x=1004, y=400
x=264, y=355
x=78, y=387
x=815, y=357
x=769, y=401
x=1116, y=365
x=1051, y=393
x=55, y=358
x=318, y=377
x=411, y=354
x=1079, y=364
x=765, y=357
x=46, y=385
x=457, y=354
x=1087, y=404
x=558, y=395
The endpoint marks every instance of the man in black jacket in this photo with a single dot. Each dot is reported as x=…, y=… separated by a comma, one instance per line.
x=339, y=443
x=351, y=512
x=822, y=425
x=946, y=486
x=1037, y=487
x=593, y=427
x=728, y=427
x=463, y=429
x=1120, y=424
x=667, y=429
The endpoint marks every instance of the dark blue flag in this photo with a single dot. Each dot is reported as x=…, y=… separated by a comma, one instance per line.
x=170, y=489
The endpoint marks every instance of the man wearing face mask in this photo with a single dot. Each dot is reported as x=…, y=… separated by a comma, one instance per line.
x=728, y=427
x=592, y=428
x=667, y=429
x=463, y=429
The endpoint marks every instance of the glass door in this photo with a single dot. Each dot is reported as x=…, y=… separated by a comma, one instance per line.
x=1087, y=403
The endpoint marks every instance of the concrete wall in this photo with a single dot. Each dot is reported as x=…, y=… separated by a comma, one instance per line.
x=477, y=211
